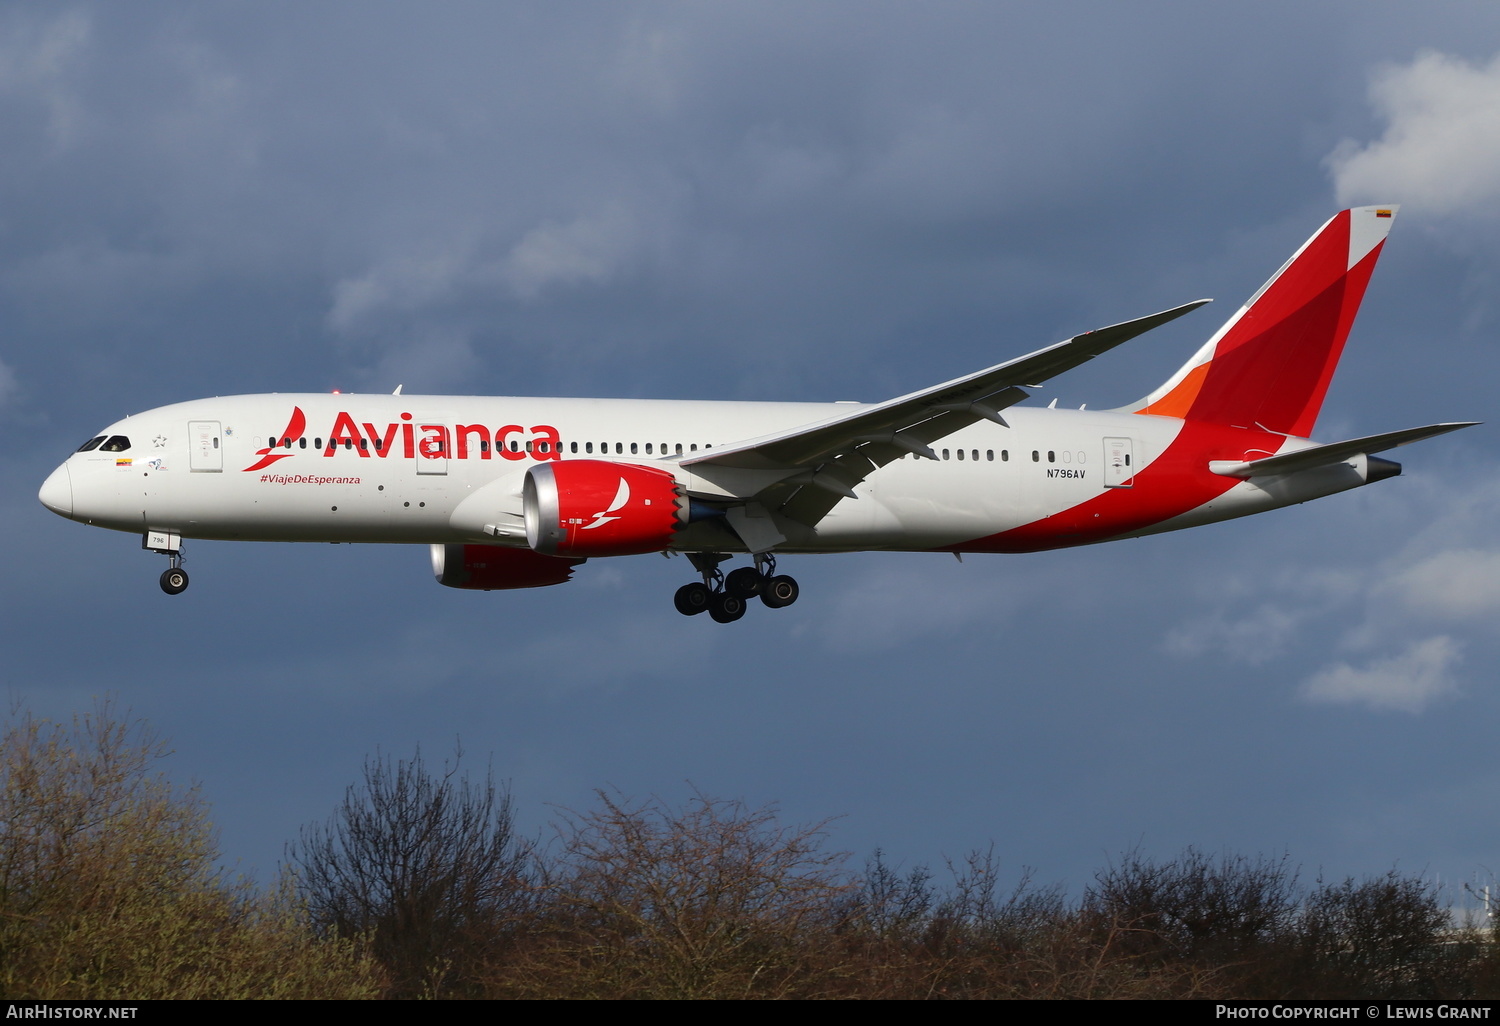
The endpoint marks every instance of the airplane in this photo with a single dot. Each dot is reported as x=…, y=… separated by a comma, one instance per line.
x=518, y=492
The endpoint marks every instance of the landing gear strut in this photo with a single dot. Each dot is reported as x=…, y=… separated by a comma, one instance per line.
x=724, y=597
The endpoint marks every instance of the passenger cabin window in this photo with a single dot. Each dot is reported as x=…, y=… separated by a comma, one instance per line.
x=92, y=443
x=116, y=443
x=1036, y=457
x=1051, y=456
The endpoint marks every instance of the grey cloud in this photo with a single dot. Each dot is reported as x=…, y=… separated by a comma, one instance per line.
x=37, y=56
x=1452, y=585
x=1410, y=681
x=1382, y=610
x=1441, y=149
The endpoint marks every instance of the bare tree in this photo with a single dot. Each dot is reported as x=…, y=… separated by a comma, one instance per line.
x=714, y=899
x=1378, y=937
x=1196, y=906
x=109, y=886
x=425, y=865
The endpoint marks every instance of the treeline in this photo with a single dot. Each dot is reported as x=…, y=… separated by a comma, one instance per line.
x=418, y=886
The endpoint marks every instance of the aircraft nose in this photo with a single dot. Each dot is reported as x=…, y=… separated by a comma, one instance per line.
x=57, y=492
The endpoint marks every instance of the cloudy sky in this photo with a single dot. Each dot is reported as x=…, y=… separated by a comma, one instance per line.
x=773, y=201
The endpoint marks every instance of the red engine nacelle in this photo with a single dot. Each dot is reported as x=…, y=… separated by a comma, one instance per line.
x=495, y=567
x=600, y=508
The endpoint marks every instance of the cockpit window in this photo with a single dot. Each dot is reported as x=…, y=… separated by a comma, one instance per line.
x=92, y=443
x=116, y=443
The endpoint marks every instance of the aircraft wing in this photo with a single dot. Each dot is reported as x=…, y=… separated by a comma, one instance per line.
x=838, y=453
x=932, y=412
x=1333, y=452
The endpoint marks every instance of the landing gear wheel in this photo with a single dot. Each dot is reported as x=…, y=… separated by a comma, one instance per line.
x=726, y=608
x=744, y=583
x=780, y=591
x=692, y=599
x=174, y=581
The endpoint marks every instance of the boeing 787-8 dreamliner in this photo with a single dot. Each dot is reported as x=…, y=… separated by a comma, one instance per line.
x=517, y=492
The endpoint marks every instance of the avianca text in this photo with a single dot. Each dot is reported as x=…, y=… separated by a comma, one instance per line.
x=436, y=441
x=432, y=440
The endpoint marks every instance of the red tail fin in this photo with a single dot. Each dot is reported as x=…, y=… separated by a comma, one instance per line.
x=1270, y=365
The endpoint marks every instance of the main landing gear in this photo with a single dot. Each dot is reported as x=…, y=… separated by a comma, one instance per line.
x=724, y=596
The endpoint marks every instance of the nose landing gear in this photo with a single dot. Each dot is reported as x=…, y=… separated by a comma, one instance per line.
x=174, y=579
x=724, y=597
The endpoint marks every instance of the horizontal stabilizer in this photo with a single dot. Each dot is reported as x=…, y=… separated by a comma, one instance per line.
x=1333, y=452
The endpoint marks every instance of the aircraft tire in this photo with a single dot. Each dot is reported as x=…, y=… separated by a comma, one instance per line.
x=780, y=591
x=726, y=608
x=692, y=599
x=174, y=581
x=746, y=582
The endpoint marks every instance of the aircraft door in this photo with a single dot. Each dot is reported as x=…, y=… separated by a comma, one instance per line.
x=1119, y=463
x=434, y=445
x=205, y=447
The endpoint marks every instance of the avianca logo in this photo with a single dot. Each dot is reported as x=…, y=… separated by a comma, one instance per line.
x=294, y=428
x=416, y=440
x=622, y=496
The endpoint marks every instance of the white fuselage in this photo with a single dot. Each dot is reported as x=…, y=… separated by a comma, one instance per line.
x=448, y=469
